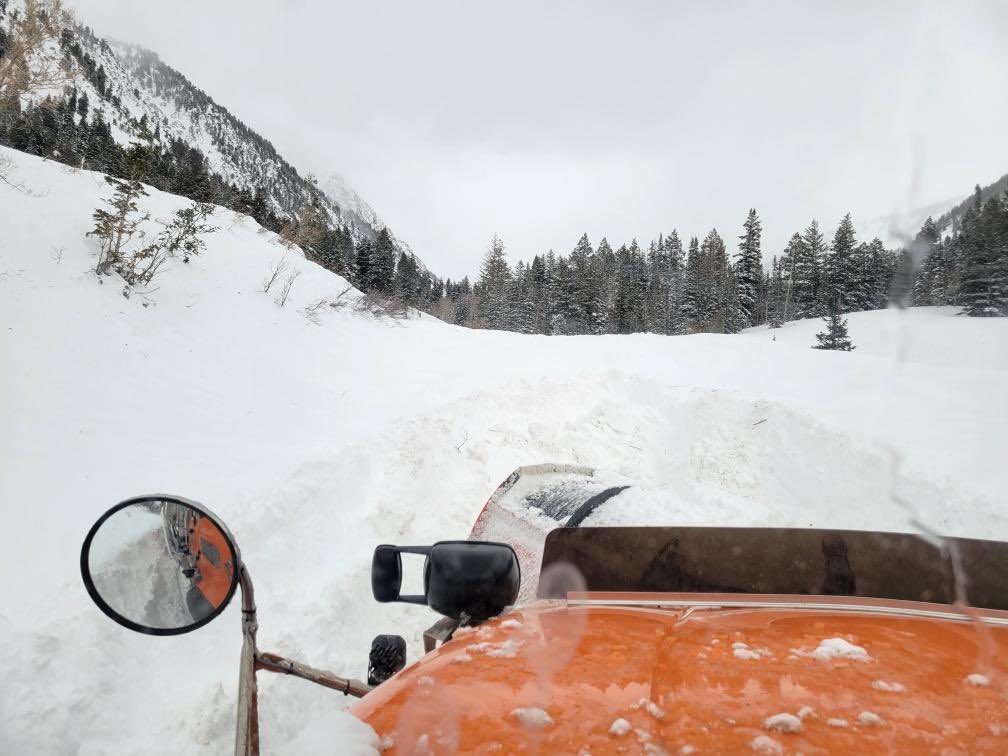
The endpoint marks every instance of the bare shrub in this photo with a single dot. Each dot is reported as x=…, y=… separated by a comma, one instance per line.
x=24, y=66
x=381, y=305
x=315, y=310
x=276, y=269
x=285, y=288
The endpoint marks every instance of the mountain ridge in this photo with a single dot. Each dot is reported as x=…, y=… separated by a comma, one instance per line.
x=143, y=98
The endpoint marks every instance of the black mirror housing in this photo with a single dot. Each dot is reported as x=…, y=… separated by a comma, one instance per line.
x=463, y=580
x=386, y=573
x=473, y=579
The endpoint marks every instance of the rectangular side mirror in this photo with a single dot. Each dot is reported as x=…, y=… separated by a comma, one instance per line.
x=386, y=573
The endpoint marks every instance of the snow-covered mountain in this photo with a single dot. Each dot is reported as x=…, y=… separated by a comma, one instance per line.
x=138, y=94
x=899, y=229
x=317, y=438
x=948, y=220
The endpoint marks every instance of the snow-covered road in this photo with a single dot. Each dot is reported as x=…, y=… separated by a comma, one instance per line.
x=315, y=442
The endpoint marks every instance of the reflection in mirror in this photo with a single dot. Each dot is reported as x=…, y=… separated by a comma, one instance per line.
x=161, y=565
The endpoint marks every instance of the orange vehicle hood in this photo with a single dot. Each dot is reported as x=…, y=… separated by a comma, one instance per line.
x=553, y=678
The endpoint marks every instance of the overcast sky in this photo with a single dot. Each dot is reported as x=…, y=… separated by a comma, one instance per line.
x=540, y=121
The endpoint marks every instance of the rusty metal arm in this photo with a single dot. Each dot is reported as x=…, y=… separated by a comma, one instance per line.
x=282, y=665
x=247, y=726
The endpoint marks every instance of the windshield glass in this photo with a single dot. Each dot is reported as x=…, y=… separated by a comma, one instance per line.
x=777, y=561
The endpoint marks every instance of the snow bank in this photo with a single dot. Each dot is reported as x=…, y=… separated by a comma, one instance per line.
x=317, y=442
x=532, y=717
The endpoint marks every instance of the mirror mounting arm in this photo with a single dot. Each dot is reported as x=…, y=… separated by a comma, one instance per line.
x=252, y=660
x=247, y=727
x=282, y=665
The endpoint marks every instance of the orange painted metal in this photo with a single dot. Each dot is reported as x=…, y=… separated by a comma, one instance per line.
x=552, y=678
x=213, y=562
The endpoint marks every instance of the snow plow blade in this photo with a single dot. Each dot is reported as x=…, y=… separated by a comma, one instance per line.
x=534, y=500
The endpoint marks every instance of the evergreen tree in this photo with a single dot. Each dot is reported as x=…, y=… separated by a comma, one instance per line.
x=842, y=281
x=537, y=294
x=381, y=265
x=605, y=273
x=731, y=314
x=692, y=295
x=406, y=283
x=749, y=272
x=139, y=159
x=564, y=310
x=116, y=227
x=676, y=323
x=523, y=314
x=584, y=295
x=364, y=253
x=806, y=286
x=776, y=295
x=881, y=266
x=929, y=284
x=495, y=277
x=631, y=285
x=659, y=287
x=835, y=335
x=984, y=280
x=715, y=290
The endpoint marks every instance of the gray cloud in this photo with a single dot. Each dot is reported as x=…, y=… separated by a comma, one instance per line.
x=539, y=122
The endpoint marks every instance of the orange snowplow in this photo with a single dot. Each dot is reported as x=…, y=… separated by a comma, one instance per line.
x=566, y=630
x=654, y=673
x=710, y=640
x=214, y=569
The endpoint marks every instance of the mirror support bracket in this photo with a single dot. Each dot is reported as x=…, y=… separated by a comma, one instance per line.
x=282, y=665
x=440, y=632
x=252, y=660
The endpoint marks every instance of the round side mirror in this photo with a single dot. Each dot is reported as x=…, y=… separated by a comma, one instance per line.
x=161, y=565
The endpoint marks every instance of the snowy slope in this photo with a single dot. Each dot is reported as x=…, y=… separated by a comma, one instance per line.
x=138, y=85
x=316, y=442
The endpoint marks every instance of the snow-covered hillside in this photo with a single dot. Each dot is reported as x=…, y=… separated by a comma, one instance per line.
x=317, y=441
x=139, y=95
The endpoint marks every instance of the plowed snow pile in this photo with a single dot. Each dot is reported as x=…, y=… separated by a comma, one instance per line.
x=317, y=441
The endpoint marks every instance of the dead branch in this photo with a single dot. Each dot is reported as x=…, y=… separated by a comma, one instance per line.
x=277, y=268
x=288, y=284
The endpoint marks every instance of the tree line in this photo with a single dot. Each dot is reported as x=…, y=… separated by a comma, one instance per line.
x=672, y=288
x=970, y=267
x=701, y=287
